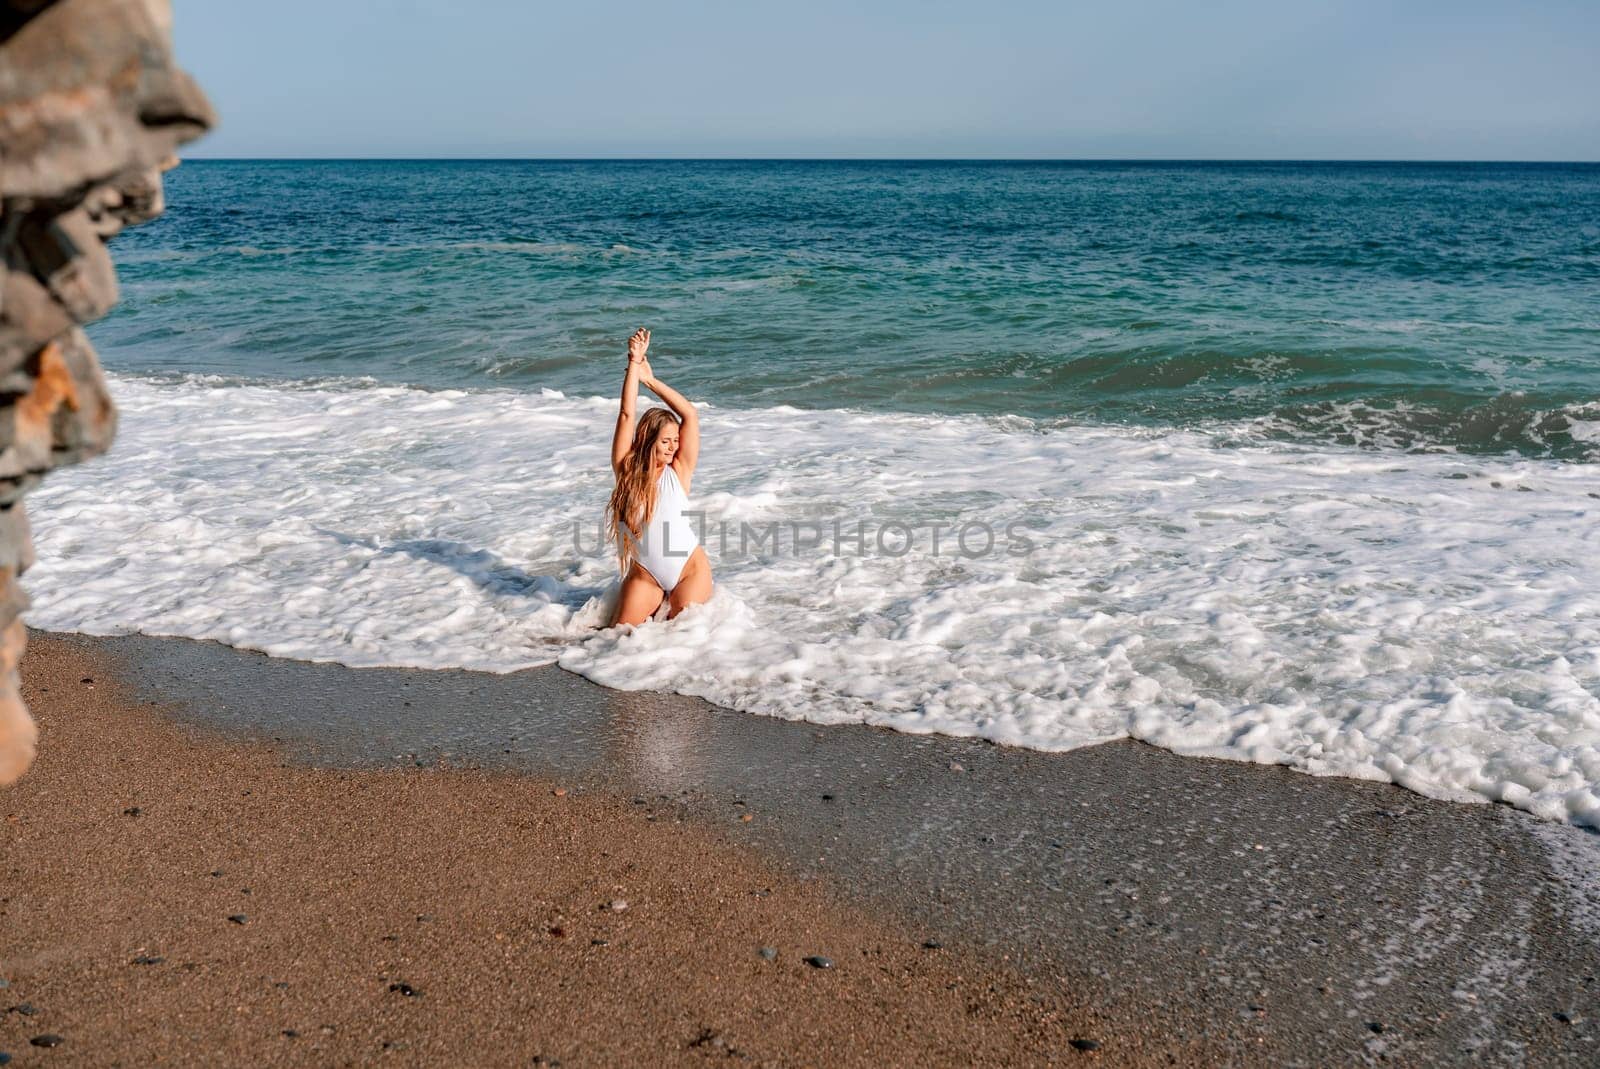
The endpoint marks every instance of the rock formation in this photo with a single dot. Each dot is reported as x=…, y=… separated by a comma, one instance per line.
x=91, y=110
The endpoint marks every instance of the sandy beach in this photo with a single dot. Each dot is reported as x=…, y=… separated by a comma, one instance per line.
x=171, y=899
x=468, y=837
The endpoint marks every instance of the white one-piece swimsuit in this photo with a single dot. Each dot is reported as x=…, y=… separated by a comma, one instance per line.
x=669, y=537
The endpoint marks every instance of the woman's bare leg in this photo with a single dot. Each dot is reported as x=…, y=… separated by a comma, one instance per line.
x=640, y=597
x=694, y=586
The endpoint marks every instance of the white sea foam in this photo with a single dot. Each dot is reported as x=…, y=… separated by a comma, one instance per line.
x=1428, y=619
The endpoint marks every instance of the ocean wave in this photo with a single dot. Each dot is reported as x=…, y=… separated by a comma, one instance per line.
x=1505, y=423
x=1426, y=618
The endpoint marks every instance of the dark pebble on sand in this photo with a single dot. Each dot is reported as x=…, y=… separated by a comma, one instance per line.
x=145, y=959
x=87, y=679
x=1084, y=1044
x=290, y=1033
x=827, y=798
x=405, y=989
x=1376, y=1026
x=932, y=944
x=1566, y=1018
x=817, y=961
x=25, y=1009
x=131, y=811
x=770, y=953
x=49, y=1039
x=5, y=1058
x=599, y=942
x=239, y=918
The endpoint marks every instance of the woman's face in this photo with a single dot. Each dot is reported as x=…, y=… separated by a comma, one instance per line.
x=666, y=445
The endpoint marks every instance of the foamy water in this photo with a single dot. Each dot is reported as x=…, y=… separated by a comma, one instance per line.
x=1430, y=619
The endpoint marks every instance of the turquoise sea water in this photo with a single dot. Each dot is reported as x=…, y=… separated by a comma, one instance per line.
x=1394, y=305
x=1288, y=463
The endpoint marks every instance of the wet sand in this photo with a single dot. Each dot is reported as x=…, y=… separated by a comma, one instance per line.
x=173, y=899
x=1172, y=910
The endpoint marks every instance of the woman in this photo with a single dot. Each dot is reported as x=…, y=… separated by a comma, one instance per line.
x=660, y=554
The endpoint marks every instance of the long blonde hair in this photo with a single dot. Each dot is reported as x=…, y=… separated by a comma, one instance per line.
x=633, y=499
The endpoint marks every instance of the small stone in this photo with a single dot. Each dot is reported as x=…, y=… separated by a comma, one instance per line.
x=215, y=873
x=932, y=944
x=769, y=953
x=290, y=1033
x=827, y=798
x=817, y=961
x=558, y=932
x=560, y=792
x=599, y=942
x=405, y=989
x=1565, y=1017
x=145, y=959
x=87, y=679
x=617, y=905
x=26, y=1009
x=1376, y=1026
x=49, y=1039
x=957, y=766
x=1084, y=1044
x=239, y=918
x=746, y=818
x=5, y=1059
x=131, y=811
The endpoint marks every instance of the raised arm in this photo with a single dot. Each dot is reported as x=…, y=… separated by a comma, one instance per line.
x=688, y=454
x=622, y=440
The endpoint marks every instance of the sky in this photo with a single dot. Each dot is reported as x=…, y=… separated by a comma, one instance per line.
x=1132, y=79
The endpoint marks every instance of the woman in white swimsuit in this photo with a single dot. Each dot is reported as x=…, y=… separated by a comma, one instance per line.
x=657, y=547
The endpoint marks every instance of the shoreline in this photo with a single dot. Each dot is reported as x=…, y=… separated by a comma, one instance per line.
x=1169, y=908
x=176, y=898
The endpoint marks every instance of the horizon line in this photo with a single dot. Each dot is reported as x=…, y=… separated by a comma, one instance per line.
x=881, y=159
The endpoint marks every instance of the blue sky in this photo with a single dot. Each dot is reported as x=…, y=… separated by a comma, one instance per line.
x=1003, y=78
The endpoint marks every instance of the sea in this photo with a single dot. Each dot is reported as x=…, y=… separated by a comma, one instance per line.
x=1291, y=463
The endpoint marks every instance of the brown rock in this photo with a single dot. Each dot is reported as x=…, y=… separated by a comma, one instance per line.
x=92, y=109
